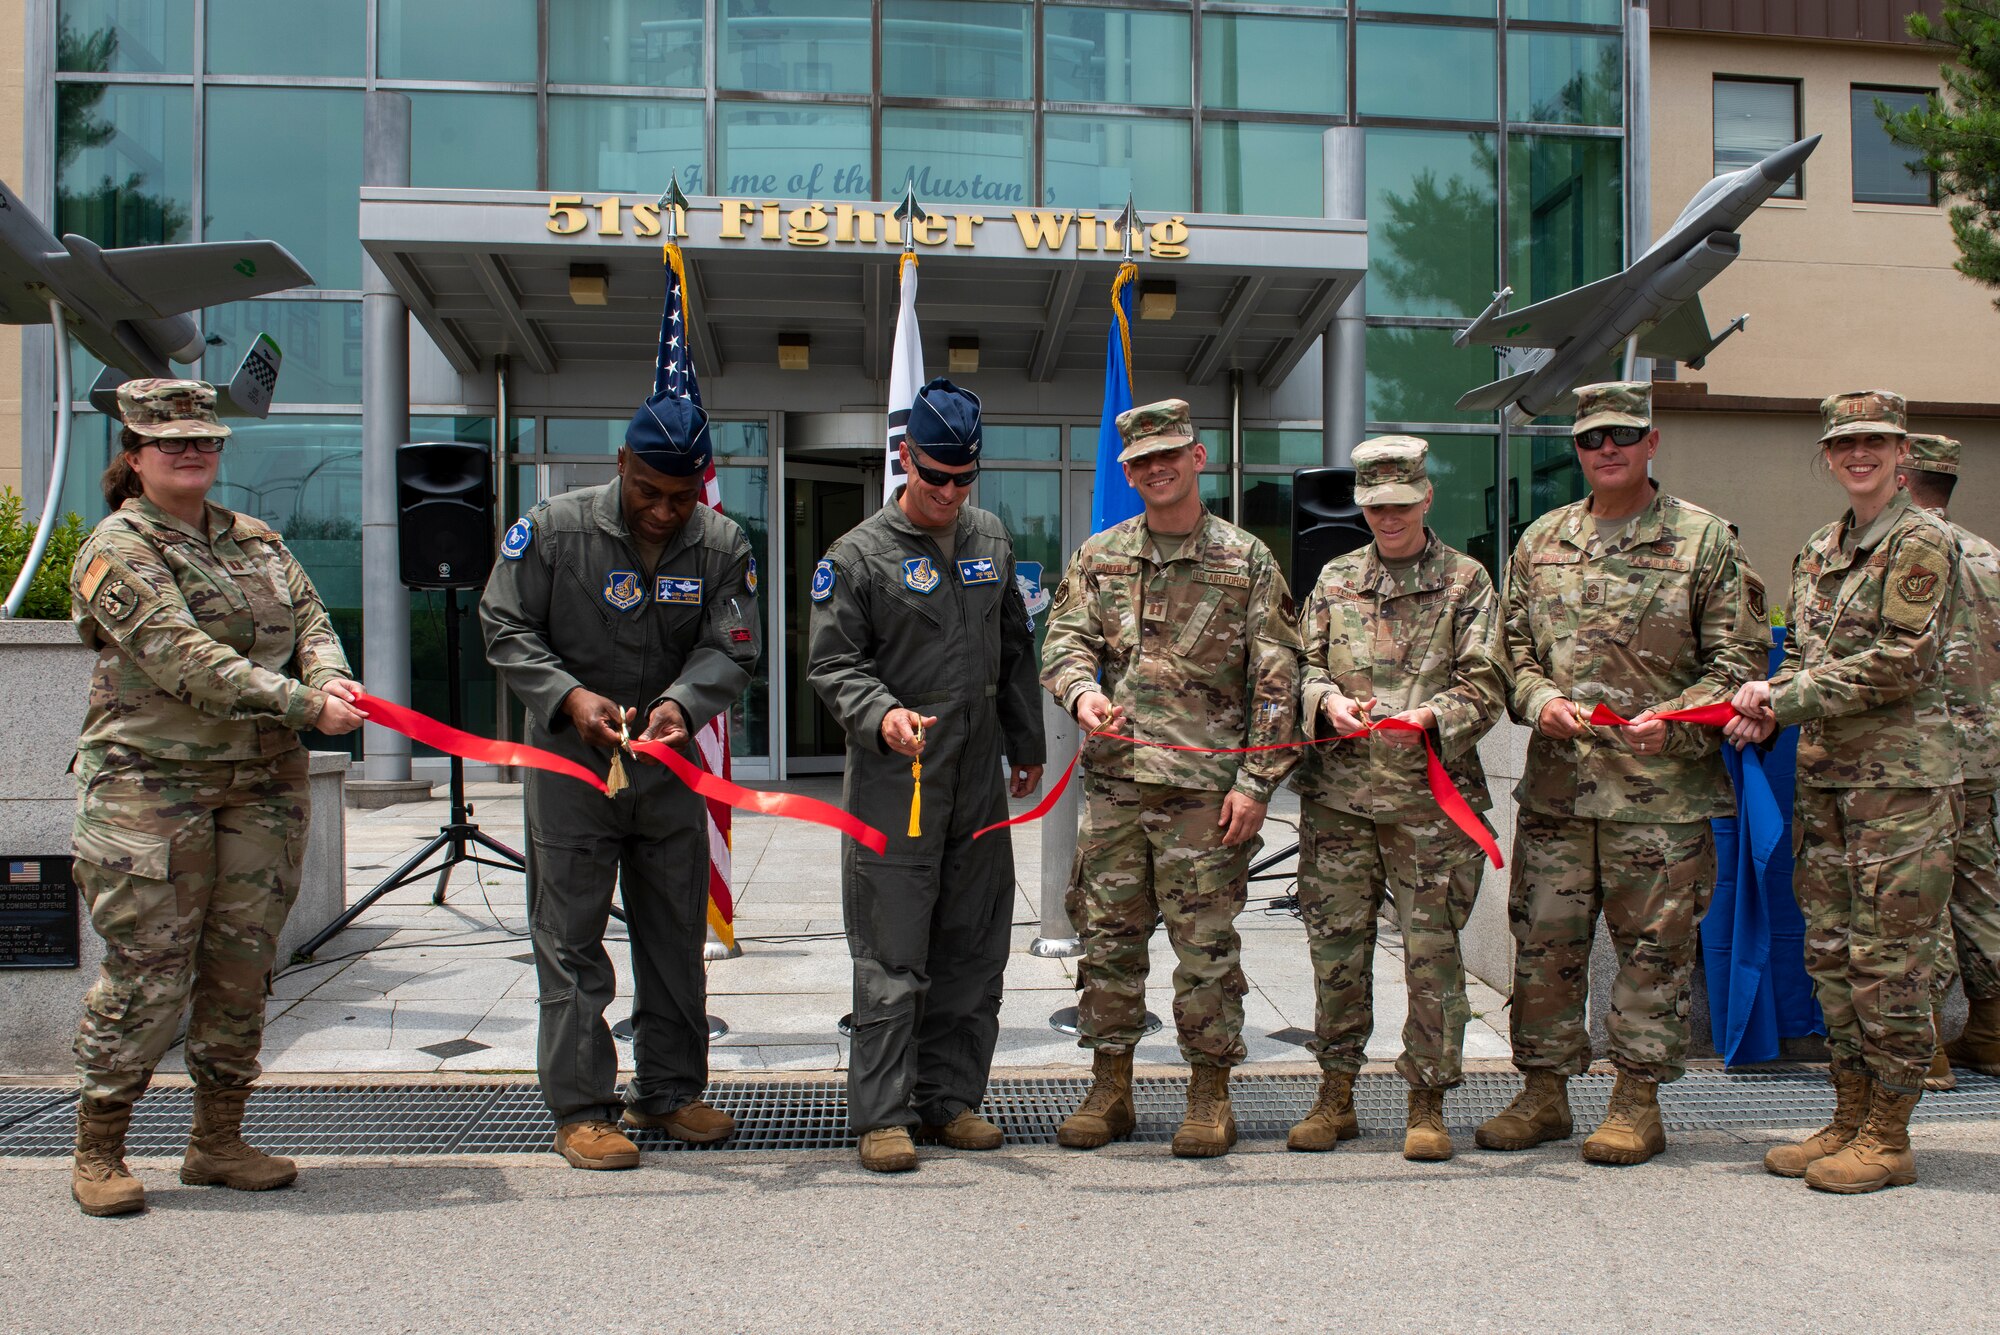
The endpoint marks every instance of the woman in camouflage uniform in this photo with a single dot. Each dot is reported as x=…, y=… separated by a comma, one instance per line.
x=191, y=782
x=1403, y=627
x=1879, y=791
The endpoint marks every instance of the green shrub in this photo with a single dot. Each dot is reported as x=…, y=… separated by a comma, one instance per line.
x=48, y=594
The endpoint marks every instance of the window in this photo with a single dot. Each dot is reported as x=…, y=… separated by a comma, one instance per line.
x=1754, y=118
x=487, y=40
x=1433, y=212
x=125, y=163
x=1092, y=162
x=1259, y=63
x=1115, y=55
x=1557, y=78
x=1565, y=213
x=802, y=46
x=1270, y=169
x=792, y=152
x=1418, y=70
x=652, y=43
x=960, y=158
x=957, y=48
x=624, y=143
x=472, y=141
x=139, y=36
x=1886, y=172
x=285, y=163
x=257, y=37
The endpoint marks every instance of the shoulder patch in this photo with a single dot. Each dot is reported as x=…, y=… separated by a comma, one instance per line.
x=750, y=576
x=1753, y=594
x=115, y=601
x=823, y=578
x=1914, y=582
x=515, y=545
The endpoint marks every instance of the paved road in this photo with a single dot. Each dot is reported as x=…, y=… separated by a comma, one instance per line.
x=1030, y=1240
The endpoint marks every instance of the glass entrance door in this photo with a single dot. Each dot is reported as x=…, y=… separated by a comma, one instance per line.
x=822, y=501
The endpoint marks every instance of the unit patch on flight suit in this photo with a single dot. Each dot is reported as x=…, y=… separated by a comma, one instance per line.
x=920, y=575
x=623, y=590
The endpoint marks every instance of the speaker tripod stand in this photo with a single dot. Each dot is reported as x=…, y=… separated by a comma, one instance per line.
x=459, y=840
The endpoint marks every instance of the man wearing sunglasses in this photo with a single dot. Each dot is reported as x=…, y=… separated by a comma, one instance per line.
x=921, y=646
x=1637, y=600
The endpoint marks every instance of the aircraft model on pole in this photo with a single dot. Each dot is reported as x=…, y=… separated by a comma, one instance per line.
x=131, y=308
x=1656, y=299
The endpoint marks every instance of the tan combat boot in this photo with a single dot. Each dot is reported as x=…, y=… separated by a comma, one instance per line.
x=1630, y=1132
x=1424, y=1136
x=1332, y=1117
x=692, y=1123
x=1978, y=1047
x=1106, y=1112
x=967, y=1131
x=217, y=1154
x=888, y=1149
x=1209, y=1128
x=1539, y=1113
x=1878, y=1156
x=99, y=1182
x=1939, y=1077
x=1850, y=1109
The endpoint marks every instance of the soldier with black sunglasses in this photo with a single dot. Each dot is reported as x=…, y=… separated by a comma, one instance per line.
x=1636, y=600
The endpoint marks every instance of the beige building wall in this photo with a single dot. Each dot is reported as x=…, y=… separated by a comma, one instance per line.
x=1841, y=295
x=13, y=124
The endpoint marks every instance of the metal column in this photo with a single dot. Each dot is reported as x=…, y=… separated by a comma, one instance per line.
x=1344, y=347
x=385, y=424
x=1056, y=938
x=1638, y=147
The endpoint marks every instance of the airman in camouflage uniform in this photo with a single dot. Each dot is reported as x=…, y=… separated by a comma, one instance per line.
x=1401, y=628
x=1174, y=628
x=1972, y=675
x=191, y=814
x=1636, y=600
x=1879, y=797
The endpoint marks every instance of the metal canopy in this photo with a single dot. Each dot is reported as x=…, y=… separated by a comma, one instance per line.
x=485, y=276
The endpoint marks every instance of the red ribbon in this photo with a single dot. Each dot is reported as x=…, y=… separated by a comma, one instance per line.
x=452, y=741
x=1708, y=716
x=423, y=728
x=790, y=805
x=1443, y=790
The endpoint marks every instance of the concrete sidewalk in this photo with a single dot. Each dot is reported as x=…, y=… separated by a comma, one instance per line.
x=417, y=987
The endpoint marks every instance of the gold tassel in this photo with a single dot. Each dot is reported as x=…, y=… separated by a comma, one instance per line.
x=917, y=785
x=615, y=782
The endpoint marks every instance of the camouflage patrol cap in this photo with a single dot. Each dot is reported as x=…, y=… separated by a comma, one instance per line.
x=1389, y=470
x=169, y=409
x=1154, y=427
x=1863, y=412
x=1613, y=403
x=1933, y=454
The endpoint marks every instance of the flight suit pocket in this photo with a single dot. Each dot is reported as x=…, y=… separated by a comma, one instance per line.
x=125, y=876
x=917, y=609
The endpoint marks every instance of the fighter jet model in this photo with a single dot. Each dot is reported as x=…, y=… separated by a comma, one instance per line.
x=1655, y=298
x=130, y=307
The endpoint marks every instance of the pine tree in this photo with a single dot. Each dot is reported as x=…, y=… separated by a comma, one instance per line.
x=1959, y=134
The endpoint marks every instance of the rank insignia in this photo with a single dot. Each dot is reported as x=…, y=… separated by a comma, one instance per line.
x=822, y=585
x=515, y=545
x=750, y=576
x=673, y=589
x=920, y=575
x=623, y=590
x=1593, y=594
x=978, y=570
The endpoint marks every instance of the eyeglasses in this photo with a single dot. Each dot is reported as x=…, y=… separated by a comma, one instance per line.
x=937, y=477
x=179, y=445
x=1598, y=437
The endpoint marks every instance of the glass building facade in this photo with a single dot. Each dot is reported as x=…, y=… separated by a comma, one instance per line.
x=1495, y=156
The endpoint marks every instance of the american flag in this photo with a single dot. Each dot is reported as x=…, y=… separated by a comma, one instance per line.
x=673, y=371
x=24, y=873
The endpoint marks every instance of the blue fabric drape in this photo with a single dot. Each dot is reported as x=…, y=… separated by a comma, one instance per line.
x=1753, y=938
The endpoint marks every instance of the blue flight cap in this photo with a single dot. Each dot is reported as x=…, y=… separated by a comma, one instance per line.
x=670, y=433
x=944, y=423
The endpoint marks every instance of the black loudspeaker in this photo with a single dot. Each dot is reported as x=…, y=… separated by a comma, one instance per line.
x=1325, y=523
x=444, y=515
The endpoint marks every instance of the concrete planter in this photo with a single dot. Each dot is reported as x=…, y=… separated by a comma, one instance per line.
x=44, y=686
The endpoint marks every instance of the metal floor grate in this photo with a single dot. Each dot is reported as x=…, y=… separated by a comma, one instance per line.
x=38, y=1121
